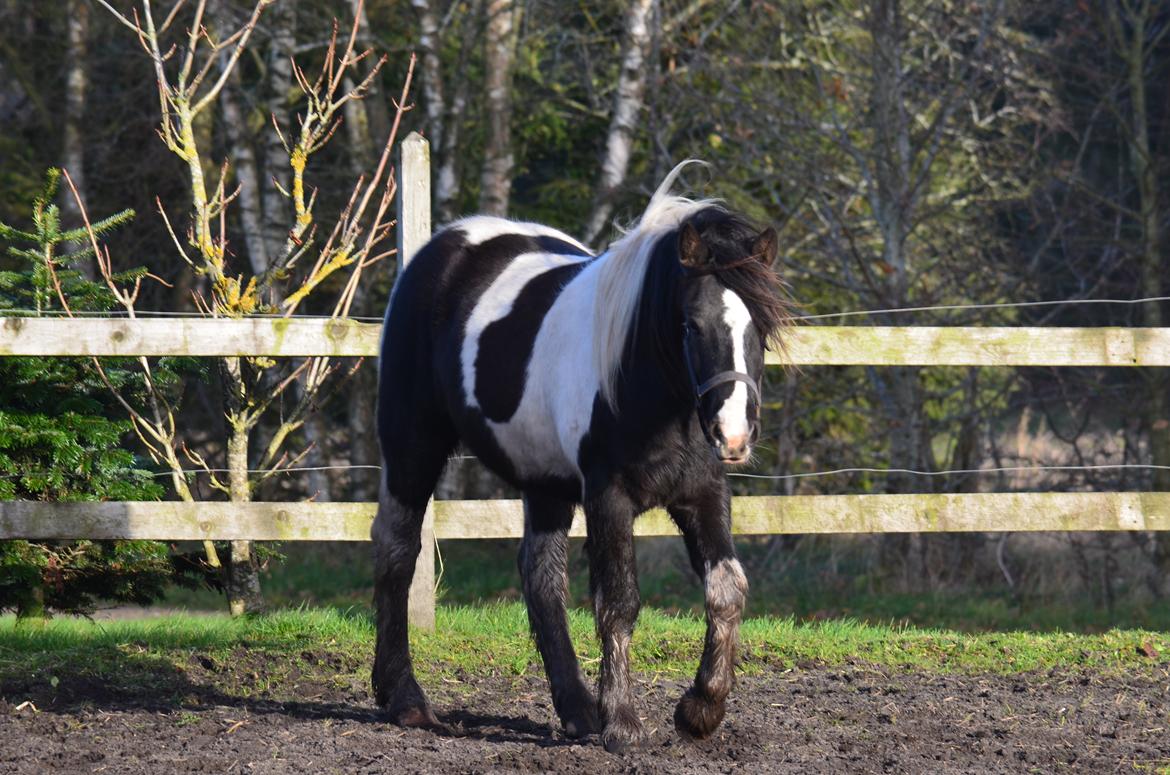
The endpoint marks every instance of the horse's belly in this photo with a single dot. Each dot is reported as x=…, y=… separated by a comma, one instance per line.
x=534, y=449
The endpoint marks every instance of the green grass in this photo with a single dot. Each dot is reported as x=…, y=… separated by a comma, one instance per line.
x=340, y=575
x=493, y=640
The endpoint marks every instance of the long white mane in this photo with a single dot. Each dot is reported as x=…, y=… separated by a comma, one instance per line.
x=622, y=274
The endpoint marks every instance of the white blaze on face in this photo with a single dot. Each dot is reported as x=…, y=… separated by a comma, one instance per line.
x=732, y=417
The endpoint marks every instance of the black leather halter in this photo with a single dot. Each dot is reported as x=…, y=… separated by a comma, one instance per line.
x=723, y=377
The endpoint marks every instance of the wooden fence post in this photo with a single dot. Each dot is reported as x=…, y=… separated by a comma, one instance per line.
x=414, y=229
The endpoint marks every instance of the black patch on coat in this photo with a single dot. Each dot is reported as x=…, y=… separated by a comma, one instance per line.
x=505, y=346
x=435, y=297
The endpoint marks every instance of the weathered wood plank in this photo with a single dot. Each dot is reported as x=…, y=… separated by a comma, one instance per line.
x=188, y=336
x=766, y=515
x=414, y=229
x=807, y=345
x=978, y=346
x=757, y=515
x=179, y=521
x=414, y=196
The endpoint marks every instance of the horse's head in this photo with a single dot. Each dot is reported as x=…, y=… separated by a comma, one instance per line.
x=730, y=308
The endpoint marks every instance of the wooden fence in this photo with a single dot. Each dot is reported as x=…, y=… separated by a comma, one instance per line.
x=807, y=346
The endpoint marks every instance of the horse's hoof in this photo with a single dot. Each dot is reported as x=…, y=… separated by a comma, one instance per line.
x=406, y=705
x=418, y=717
x=696, y=717
x=583, y=722
x=623, y=731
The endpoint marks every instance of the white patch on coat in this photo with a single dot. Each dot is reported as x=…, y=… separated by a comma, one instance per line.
x=497, y=301
x=725, y=587
x=732, y=416
x=543, y=436
x=478, y=229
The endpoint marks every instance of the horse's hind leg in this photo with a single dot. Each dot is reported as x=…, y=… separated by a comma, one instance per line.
x=613, y=581
x=414, y=451
x=543, y=564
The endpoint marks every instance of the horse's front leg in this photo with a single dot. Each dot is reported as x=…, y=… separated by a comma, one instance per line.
x=613, y=582
x=705, y=522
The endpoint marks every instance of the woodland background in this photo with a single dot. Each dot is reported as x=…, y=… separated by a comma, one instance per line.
x=910, y=153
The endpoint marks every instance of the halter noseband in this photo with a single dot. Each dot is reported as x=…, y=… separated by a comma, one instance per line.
x=712, y=382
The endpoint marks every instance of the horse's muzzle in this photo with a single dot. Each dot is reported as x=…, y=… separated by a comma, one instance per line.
x=734, y=450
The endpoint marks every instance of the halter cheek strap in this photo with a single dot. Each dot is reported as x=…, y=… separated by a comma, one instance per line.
x=722, y=377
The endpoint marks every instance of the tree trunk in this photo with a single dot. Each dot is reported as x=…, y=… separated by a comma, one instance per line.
x=450, y=118
x=499, y=57
x=251, y=210
x=1145, y=175
x=377, y=103
x=370, y=113
x=281, y=88
x=1128, y=25
x=627, y=105
x=432, y=73
x=76, y=89
x=367, y=126
x=31, y=611
x=357, y=132
x=890, y=199
x=243, y=578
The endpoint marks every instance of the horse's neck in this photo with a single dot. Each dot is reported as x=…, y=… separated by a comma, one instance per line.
x=654, y=374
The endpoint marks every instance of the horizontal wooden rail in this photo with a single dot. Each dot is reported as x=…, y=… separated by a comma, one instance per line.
x=188, y=336
x=977, y=346
x=752, y=515
x=806, y=345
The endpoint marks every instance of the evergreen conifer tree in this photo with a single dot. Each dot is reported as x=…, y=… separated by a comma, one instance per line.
x=60, y=437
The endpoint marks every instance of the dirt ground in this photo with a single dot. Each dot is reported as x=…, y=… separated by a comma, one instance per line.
x=254, y=715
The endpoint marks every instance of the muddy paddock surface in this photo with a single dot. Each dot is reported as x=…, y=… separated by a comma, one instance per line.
x=208, y=717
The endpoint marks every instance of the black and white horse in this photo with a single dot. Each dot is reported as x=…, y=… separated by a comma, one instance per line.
x=622, y=382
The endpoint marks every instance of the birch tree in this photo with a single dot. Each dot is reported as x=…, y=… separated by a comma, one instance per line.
x=281, y=89
x=247, y=170
x=447, y=189
x=503, y=17
x=76, y=90
x=627, y=109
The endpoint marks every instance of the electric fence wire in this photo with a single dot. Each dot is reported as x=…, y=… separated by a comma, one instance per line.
x=801, y=475
x=119, y=314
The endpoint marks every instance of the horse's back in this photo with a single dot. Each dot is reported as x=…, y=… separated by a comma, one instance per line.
x=446, y=278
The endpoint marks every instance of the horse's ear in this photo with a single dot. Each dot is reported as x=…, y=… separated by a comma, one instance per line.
x=692, y=251
x=764, y=247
